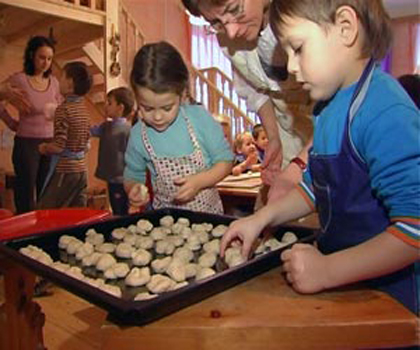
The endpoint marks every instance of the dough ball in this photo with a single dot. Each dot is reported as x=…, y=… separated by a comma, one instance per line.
x=144, y=242
x=144, y=225
x=219, y=231
x=160, y=265
x=204, y=273
x=166, y=221
x=105, y=262
x=159, y=284
x=138, y=277
x=141, y=257
x=144, y=296
x=124, y=250
x=118, y=270
x=106, y=248
x=207, y=260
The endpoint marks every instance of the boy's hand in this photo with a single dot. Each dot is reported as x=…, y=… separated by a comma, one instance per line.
x=306, y=268
x=188, y=188
x=245, y=230
x=42, y=148
x=138, y=195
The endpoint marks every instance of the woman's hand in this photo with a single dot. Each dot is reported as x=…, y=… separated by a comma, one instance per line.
x=284, y=182
x=273, y=159
x=189, y=186
x=15, y=97
x=306, y=268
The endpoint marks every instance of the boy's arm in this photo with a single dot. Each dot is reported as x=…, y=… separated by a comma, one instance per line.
x=310, y=271
x=96, y=130
x=50, y=148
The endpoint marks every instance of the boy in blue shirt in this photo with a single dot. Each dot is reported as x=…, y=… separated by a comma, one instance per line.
x=363, y=172
x=113, y=138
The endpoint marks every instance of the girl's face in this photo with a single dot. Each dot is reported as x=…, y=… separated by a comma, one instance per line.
x=237, y=18
x=43, y=59
x=262, y=140
x=247, y=145
x=158, y=111
x=113, y=109
x=316, y=55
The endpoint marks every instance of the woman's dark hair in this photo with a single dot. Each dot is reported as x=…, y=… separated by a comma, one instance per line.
x=160, y=68
x=79, y=73
x=125, y=97
x=411, y=84
x=32, y=47
x=192, y=5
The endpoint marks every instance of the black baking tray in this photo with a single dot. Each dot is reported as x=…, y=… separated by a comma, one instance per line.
x=128, y=312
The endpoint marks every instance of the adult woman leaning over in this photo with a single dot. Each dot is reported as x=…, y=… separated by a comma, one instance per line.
x=35, y=123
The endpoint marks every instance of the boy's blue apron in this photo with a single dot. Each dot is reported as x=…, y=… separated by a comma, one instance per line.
x=348, y=211
x=53, y=164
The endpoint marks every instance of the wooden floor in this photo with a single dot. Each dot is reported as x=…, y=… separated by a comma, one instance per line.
x=71, y=322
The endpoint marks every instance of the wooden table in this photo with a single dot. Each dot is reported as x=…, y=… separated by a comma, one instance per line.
x=240, y=194
x=262, y=313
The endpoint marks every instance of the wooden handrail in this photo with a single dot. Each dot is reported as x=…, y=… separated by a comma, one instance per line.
x=215, y=75
x=217, y=102
x=132, y=38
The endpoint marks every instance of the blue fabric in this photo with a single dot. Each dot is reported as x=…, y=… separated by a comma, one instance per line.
x=175, y=142
x=350, y=212
x=385, y=134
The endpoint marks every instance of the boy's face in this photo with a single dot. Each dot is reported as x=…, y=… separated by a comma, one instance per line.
x=262, y=140
x=158, y=111
x=113, y=109
x=316, y=56
x=247, y=145
x=66, y=84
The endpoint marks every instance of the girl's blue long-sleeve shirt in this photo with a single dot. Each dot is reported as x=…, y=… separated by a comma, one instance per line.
x=385, y=133
x=175, y=142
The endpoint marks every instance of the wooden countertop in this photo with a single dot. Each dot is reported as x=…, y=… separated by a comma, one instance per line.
x=262, y=313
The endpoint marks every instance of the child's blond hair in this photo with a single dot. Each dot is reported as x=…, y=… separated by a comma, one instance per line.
x=377, y=31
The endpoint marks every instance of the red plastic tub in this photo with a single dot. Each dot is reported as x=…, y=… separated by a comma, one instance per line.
x=47, y=220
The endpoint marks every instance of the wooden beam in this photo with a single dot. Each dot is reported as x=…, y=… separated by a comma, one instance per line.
x=60, y=9
x=42, y=25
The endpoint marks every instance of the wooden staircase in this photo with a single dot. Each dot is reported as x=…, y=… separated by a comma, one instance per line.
x=83, y=29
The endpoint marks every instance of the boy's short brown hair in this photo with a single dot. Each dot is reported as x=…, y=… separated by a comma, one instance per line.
x=256, y=130
x=79, y=73
x=125, y=97
x=377, y=32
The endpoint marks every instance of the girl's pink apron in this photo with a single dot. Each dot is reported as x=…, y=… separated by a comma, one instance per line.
x=170, y=168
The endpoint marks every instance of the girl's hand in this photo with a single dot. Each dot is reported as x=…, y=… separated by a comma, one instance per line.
x=188, y=188
x=306, y=268
x=138, y=195
x=252, y=157
x=245, y=230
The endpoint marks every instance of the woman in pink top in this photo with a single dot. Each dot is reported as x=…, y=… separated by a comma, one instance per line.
x=35, y=124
